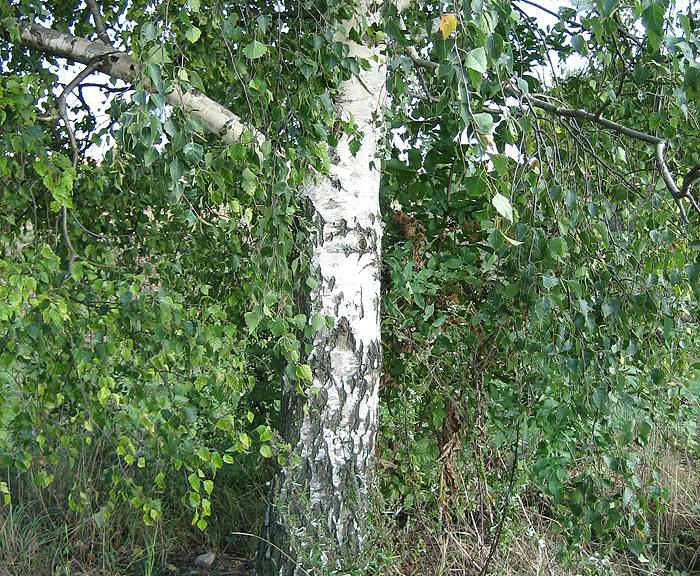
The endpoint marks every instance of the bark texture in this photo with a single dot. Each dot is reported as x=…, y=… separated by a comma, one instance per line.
x=317, y=514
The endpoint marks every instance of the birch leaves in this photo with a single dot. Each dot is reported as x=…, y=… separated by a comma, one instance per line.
x=447, y=25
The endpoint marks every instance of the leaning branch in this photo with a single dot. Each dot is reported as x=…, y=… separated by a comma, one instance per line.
x=677, y=194
x=216, y=118
x=577, y=113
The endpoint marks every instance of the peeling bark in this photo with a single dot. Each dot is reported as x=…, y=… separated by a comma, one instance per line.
x=317, y=514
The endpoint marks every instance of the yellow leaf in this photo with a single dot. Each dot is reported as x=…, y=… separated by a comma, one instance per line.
x=448, y=24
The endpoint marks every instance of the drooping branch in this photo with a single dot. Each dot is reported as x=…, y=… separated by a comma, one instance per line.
x=660, y=144
x=581, y=114
x=216, y=118
x=677, y=194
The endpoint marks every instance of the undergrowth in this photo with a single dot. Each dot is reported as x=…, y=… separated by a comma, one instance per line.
x=521, y=535
x=39, y=535
x=440, y=530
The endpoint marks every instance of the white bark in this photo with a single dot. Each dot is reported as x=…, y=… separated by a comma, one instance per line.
x=319, y=512
x=216, y=118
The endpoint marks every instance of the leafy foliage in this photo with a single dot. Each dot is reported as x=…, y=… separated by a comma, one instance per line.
x=540, y=308
x=540, y=284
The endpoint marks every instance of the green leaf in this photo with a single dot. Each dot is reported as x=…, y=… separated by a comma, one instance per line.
x=255, y=50
x=194, y=482
x=149, y=31
x=252, y=319
x=176, y=169
x=653, y=18
x=264, y=433
x=266, y=451
x=158, y=54
x=549, y=281
x=494, y=45
x=318, y=322
x=503, y=206
x=193, y=34
x=607, y=7
x=557, y=248
x=476, y=60
x=307, y=67
x=303, y=372
x=636, y=547
x=607, y=309
x=579, y=44
x=484, y=122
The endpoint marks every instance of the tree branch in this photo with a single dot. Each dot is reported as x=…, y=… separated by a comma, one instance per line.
x=89, y=69
x=580, y=114
x=99, y=24
x=660, y=144
x=216, y=118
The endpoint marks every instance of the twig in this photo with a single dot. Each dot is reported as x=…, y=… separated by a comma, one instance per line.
x=66, y=238
x=506, y=506
x=105, y=87
x=99, y=24
x=89, y=69
x=428, y=95
x=413, y=53
x=546, y=10
x=690, y=177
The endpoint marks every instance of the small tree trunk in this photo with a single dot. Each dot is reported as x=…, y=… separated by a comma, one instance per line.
x=318, y=508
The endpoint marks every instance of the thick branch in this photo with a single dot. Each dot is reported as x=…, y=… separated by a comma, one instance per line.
x=216, y=118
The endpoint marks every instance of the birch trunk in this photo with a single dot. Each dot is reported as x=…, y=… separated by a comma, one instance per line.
x=318, y=510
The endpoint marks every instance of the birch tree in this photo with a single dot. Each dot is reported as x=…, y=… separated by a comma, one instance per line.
x=317, y=505
x=265, y=127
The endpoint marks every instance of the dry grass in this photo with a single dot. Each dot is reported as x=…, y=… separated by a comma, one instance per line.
x=440, y=544
x=38, y=537
x=677, y=528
